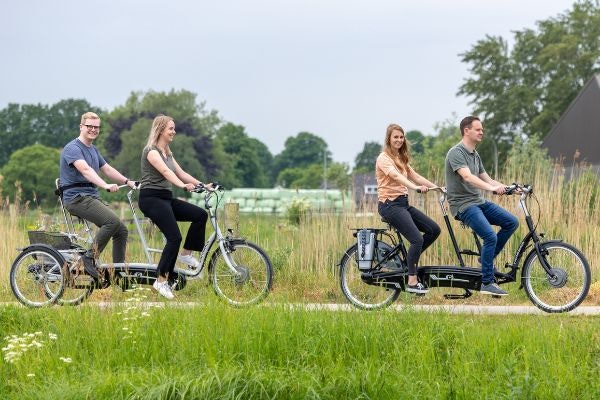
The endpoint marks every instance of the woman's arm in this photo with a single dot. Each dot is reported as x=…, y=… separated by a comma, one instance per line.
x=184, y=176
x=157, y=162
x=418, y=179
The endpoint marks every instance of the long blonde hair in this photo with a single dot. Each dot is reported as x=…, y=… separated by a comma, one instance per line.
x=159, y=124
x=400, y=157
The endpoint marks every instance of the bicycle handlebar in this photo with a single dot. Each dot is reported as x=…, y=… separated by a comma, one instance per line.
x=201, y=187
x=135, y=187
x=515, y=187
x=436, y=188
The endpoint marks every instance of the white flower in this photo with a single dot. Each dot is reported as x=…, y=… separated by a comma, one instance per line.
x=66, y=359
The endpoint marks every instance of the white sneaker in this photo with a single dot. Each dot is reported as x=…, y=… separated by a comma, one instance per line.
x=189, y=260
x=164, y=289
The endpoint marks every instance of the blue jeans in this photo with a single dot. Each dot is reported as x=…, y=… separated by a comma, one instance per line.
x=480, y=218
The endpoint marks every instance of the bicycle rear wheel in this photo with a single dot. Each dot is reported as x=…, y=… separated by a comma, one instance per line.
x=358, y=292
x=36, y=276
x=253, y=277
x=570, y=282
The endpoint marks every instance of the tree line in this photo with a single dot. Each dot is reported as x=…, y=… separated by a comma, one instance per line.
x=519, y=92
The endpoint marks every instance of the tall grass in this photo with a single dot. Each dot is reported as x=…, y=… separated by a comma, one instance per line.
x=217, y=352
x=305, y=256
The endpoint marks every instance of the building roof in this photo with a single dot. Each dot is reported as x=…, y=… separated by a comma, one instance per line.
x=578, y=129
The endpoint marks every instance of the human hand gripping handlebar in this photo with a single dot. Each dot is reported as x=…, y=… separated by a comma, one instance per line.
x=135, y=187
x=207, y=187
x=440, y=189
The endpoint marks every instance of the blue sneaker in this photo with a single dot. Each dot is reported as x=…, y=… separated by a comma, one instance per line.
x=493, y=289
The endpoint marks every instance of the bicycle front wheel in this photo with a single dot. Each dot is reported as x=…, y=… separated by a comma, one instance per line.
x=358, y=292
x=36, y=276
x=252, y=278
x=569, y=283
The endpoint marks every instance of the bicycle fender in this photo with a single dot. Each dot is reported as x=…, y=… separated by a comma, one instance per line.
x=38, y=245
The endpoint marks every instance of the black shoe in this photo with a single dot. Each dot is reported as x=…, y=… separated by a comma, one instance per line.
x=89, y=265
x=419, y=288
x=104, y=281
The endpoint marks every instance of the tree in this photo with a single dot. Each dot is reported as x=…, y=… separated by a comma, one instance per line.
x=302, y=150
x=365, y=160
x=28, y=124
x=416, y=140
x=309, y=177
x=430, y=163
x=523, y=91
x=191, y=120
x=248, y=159
x=33, y=168
x=338, y=176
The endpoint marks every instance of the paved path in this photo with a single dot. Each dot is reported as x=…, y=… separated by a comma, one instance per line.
x=452, y=309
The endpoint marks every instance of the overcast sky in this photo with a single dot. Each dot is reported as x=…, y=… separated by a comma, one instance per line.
x=340, y=69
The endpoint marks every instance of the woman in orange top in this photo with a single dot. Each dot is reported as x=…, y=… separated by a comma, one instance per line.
x=394, y=177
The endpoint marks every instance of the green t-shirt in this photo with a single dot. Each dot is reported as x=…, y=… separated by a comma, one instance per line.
x=460, y=194
x=151, y=177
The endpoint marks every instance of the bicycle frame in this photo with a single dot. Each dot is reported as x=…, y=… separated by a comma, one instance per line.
x=459, y=276
x=149, y=268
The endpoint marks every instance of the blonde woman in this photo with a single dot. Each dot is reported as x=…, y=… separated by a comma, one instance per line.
x=160, y=172
x=395, y=177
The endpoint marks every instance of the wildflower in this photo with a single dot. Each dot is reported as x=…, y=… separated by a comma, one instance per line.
x=30, y=375
x=65, y=359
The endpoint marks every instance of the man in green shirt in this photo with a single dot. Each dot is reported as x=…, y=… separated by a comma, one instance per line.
x=465, y=178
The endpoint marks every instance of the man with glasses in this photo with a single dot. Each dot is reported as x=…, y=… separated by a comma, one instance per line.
x=80, y=165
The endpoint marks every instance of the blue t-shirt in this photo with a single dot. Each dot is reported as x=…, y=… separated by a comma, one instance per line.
x=73, y=151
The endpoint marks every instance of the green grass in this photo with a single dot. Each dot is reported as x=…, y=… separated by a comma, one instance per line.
x=218, y=352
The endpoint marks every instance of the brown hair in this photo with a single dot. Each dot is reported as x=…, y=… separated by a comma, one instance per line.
x=466, y=123
x=400, y=157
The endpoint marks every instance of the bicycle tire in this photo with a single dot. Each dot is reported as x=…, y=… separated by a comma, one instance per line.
x=363, y=295
x=36, y=276
x=254, y=279
x=570, y=285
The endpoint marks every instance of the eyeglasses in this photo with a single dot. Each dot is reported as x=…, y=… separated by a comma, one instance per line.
x=92, y=127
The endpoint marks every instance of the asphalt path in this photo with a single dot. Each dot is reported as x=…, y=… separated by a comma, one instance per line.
x=450, y=309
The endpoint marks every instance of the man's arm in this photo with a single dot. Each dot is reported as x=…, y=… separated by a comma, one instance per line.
x=91, y=175
x=483, y=181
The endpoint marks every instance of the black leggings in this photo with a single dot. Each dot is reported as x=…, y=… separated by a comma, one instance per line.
x=165, y=210
x=410, y=222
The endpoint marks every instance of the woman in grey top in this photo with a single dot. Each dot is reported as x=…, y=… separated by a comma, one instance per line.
x=160, y=172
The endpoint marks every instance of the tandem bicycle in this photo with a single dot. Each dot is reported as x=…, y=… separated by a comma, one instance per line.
x=555, y=275
x=50, y=270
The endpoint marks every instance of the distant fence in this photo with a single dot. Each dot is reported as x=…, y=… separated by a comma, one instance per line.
x=277, y=201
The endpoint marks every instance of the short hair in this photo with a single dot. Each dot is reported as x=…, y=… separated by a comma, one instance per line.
x=89, y=115
x=466, y=123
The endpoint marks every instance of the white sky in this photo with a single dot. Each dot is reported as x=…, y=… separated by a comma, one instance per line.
x=340, y=69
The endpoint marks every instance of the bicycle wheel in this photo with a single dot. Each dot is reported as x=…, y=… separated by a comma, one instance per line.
x=36, y=276
x=253, y=277
x=571, y=281
x=78, y=285
x=359, y=293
